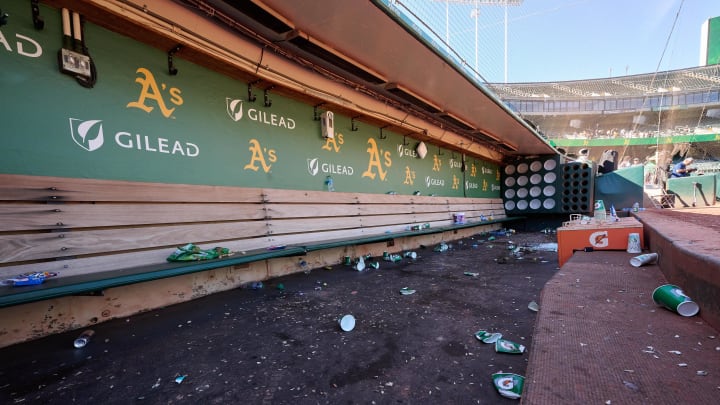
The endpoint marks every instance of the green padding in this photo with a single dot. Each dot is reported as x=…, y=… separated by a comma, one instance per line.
x=71, y=285
x=686, y=195
x=621, y=188
x=328, y=244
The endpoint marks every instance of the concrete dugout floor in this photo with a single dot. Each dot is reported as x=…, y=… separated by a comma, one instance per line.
x=285, y=346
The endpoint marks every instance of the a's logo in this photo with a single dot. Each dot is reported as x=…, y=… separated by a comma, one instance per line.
x=151, y=91
x=234, y=108
x=87, y=134
x=313, y=166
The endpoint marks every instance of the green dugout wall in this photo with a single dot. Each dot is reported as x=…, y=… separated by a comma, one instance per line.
x=139, y=123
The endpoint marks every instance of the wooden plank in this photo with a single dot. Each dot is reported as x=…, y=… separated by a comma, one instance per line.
x=60, y=189
x=284, y=210
x=98, y=241
x=18, y=217
x=116, y=261
x=276, y=196
x=284, y=226
x=384, y=209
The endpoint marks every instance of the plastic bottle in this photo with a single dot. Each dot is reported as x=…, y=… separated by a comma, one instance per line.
x=83, y=339
x=329, y=183
x=636, y=207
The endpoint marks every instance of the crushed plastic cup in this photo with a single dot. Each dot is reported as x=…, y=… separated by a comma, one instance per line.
x=507, y=346
x=411, y=255
x=347, y=323
x=509, y=385
x=83, y=339
x=533, y=306
x=360, y=265
x=407, y=291
x=487, y=337
x=673, y=298
x=647, y=258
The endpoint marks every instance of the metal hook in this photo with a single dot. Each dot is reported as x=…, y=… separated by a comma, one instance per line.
x=353, y=124
x=171, y=65
x=381, y=133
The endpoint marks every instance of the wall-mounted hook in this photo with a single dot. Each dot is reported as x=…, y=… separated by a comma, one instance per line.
x=382, y=136
x=266, y=96
x=172, y=70
x=405, y=142
x=251, y=96
x=38, y=21
x=353, y=124
x=440, y=152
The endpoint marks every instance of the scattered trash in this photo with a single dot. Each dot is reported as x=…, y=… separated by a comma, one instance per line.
x=347, y=323
x=647, y=258
x=360, y=265
x=256, y=285
x=83, y=339
x=673, y=298
x=634, y=243
x=406, y=291
x=191, y=252
x=682, y=364
x=157, y=384
x=179, y=379
x=509, y=385
x=631, y=386
x=487, y=337
x=471, y=274
x=442, y=247
x=411, y=255
x=34, y=278
x=702, y=372
x=533, y=306
x=674, y=351
x=281, y=287
x=507, y=346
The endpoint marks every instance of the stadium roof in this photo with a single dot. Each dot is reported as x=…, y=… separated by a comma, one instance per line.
x=683, y=80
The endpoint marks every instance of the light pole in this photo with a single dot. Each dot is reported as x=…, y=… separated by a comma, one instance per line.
x=475, y=13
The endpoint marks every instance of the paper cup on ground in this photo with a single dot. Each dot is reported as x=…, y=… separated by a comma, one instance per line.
x=647, y=258
x=507, y=346
x=634, y=243
x=487, y=337
x=347, y=323
x=673, y=298
x=509, y=385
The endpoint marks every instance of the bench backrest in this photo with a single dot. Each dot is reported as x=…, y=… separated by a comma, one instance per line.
x=79, y=226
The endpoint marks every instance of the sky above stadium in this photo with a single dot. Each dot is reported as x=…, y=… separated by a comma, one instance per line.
x=557, y=40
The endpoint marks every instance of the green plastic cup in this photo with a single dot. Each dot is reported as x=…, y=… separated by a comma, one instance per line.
x=673, y=298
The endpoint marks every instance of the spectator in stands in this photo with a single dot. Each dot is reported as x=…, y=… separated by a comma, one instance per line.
x=681, y=169
x=625, y=162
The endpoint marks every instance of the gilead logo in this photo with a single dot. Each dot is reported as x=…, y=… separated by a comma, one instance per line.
x=89, y=136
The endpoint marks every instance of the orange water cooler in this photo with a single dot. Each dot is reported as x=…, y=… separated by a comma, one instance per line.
x=597, y=235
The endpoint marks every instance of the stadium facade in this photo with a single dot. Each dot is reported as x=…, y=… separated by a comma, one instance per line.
x=665, y=115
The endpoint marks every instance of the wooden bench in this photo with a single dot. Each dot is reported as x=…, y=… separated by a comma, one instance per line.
x=98, y=234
